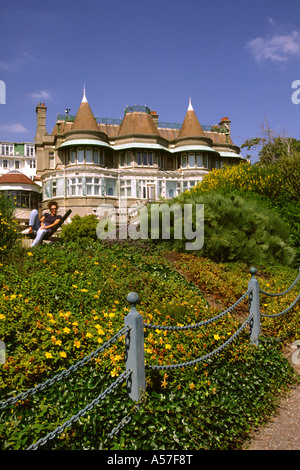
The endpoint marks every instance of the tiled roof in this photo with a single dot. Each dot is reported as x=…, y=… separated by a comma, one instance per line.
x=16, y=177
x=139, y=122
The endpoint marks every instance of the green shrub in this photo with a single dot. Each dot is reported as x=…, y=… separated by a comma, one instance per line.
x=81, y=229
x=273, y=186
x=289, y=168
x=239, y=230
x=8, y=230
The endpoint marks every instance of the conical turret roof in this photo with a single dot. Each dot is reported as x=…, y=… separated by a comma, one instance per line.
x=191, y=127
x=85, y=120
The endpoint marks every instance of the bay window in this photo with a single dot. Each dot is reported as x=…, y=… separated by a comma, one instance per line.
x=85, y=155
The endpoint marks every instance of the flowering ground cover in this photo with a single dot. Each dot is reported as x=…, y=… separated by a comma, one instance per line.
x=58, y=304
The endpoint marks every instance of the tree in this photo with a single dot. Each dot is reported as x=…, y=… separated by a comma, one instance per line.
x=289, y=167
x=273, y=146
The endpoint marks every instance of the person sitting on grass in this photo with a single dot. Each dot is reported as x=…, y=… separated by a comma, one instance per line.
x=44, y=225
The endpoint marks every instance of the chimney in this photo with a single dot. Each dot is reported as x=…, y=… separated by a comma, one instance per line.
x=154, y=117
x=225, y=125
x=41, y=130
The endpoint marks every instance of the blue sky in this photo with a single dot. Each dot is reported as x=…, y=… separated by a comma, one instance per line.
x=234, y=58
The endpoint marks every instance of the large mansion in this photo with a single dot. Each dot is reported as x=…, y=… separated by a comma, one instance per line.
x=86, y=161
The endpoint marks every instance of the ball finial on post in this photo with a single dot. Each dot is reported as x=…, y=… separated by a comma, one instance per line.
x=253, y=271
x=132, y=299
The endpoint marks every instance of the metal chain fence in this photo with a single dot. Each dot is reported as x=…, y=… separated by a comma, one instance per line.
x=280, y=294
x=80, y=413
x=284, y=292
x=206, y=356
x=202, y=323
x=64, y=373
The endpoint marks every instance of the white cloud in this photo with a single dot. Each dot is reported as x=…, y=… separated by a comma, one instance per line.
x=278, y=47
x=41, y=95
x=18, y=128
x=15, y=64
x=4, y=65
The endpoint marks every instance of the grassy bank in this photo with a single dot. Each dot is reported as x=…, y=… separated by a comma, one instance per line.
x=60, y=304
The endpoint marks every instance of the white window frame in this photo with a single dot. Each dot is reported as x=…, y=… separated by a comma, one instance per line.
x=125, y=188
x=7, y=149
x=75, y=185
x=29, y=150
x=93, y=186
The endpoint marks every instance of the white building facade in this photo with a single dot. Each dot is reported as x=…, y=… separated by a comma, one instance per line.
x=18, y=156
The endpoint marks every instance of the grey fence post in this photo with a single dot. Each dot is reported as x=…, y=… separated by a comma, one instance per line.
x=135, y=355
x=254, y=308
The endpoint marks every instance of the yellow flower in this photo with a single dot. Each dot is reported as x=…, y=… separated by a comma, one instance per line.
x=63, y=354
x=77, y=344
x=75, y=287
x=83, y=290
x=66, y=330
x=192, y=385
x=216, y=337
x=2, y=316
x=89, y=335
x=168, y=346
x=29, y=253
x=99, y=329
x=48, y=355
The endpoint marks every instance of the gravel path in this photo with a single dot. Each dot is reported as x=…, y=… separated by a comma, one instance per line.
x=283, y=430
